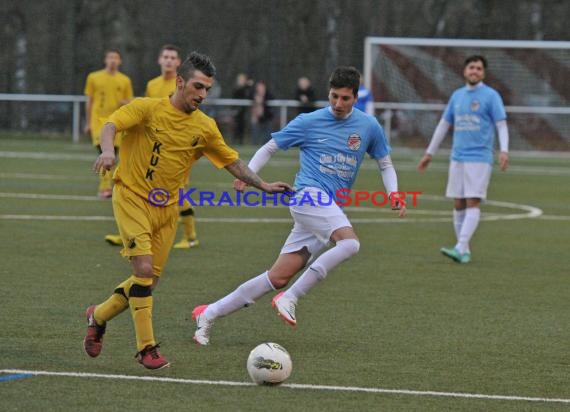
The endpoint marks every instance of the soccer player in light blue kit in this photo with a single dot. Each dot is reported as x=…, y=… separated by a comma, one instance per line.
x=333, y=141
x=474, y=110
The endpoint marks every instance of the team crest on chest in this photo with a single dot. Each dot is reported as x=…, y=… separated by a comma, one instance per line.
x=354, y=141
x=475, y=105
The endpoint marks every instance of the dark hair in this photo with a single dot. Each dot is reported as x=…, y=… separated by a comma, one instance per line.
x=475, y=58
x=196, y=61
x=345, y=76
x=112, y=50
x=169, y=47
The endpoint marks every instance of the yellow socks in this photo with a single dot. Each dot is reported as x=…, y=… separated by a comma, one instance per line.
x=140, y=303
x=115, y=305
x=136, y=293
x=187, y=217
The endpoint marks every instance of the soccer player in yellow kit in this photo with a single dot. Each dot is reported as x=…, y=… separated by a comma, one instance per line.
x=162, y=140
x=165, y=84
x=162, y=86
x=106, y=90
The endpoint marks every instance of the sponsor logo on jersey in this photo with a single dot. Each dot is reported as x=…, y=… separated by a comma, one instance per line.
x=154, y=159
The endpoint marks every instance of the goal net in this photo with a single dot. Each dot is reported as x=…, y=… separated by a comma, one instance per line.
x=412, y=80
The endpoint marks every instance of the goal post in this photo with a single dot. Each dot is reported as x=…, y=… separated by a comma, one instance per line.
x=412, y=79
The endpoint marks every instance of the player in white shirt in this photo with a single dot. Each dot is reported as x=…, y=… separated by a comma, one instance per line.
x=474, y=110
x=332, y=141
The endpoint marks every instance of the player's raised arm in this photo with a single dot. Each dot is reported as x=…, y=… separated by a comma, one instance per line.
x=241, y=171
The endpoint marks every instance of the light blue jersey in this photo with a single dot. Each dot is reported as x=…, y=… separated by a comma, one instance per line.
x=473, y=114
x=332, y=149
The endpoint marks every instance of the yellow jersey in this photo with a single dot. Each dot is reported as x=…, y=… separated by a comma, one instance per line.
x=161, y=143
x=159, y=87
x=107, y=92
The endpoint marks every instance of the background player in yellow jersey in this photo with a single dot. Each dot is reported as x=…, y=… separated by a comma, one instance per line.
x=163, y=86
x=106, y=90
x=162, y=140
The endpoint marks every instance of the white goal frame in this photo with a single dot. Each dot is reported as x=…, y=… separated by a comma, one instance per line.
x=370, y=42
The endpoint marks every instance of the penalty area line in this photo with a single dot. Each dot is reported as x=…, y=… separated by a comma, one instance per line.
x=290, y=386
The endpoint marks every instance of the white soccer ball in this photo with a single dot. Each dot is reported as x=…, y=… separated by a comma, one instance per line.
x=269, y=364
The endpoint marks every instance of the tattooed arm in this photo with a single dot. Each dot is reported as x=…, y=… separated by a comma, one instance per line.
x=242, y=172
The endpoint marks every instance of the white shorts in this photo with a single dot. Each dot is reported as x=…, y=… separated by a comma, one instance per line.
x=314, y=223
x=468, y=180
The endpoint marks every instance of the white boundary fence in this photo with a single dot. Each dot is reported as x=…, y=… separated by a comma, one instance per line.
x=387, y=108
x=78, y=100
x=75, y=100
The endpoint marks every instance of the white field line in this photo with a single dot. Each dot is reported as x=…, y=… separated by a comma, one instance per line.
x=36, y=196
x=548, y=217
x=38, y=176
x=269, y=220
x=48, y=156
x=54, y=217
x=401, y=165
x=527, y=211
x=292, y=386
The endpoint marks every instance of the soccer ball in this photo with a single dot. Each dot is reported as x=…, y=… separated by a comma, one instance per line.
x=269, y=364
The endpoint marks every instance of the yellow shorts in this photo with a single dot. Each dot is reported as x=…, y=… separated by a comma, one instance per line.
x=96, y=128
x=145, y=229
x=186, y=205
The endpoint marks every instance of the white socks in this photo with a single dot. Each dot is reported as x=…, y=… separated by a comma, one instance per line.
x=458, y=217
x=470, y=222
x=246, y=294
x=318, y=270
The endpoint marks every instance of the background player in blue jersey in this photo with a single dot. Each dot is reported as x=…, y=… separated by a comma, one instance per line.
x=365, y=99
x=332, y=141
x=474, y=110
